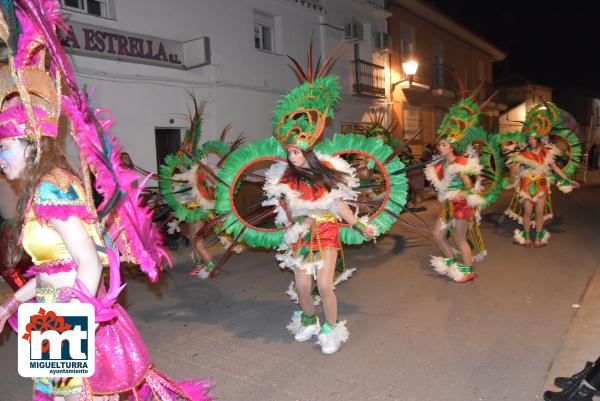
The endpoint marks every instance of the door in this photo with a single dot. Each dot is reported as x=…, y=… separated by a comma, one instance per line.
x=167, y=142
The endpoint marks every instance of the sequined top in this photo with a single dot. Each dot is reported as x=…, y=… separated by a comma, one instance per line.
x=59, y=195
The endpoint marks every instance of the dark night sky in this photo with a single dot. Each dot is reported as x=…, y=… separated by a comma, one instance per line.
x=549, y=43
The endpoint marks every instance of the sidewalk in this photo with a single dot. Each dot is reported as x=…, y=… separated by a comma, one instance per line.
x=582, y=341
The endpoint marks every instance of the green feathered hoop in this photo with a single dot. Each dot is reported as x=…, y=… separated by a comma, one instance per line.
x=491, y=159
x=169, y=189
x=396, y=184
x=574, y=150
x=269, y=149
x=233, y=168
x=216, y=147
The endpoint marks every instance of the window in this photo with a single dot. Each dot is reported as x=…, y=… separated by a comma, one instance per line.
x=263, y=37
x=264, y=29
x=439, y=73
x=406, y=40
x=99, y=8
x=412, y=120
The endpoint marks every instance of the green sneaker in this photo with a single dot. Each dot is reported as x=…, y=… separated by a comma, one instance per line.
x=326, y=328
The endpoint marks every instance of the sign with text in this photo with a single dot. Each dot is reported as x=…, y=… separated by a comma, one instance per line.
x=96, y=41
x=56, y=340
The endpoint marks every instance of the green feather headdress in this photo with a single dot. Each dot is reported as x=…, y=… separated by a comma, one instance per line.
x=300, y=116
x=541, y=119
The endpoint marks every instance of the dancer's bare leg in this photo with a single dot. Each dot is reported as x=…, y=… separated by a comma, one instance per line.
x=539, y=218
x=460, y=237
x=198, y=242
x=325, y=284
x=304, y=288
x=332, y=333
x=527, y=210
x=539, y=213
x=198, y=249
x=440, y=232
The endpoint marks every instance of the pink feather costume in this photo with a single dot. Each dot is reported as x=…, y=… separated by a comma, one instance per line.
x=124, y=368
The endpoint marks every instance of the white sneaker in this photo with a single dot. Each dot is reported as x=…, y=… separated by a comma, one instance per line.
x=306, y=332
x=295, y=325
x=332, y=341
x=207, y=271
x=329, y=344
x=203, y=274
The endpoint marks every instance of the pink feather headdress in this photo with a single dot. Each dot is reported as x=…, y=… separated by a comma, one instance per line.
x=38, y=81
x=14, y=123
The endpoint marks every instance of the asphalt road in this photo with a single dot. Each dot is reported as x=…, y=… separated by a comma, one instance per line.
x=413, y=334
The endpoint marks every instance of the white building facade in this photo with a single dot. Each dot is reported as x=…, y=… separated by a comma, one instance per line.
x=142, y=56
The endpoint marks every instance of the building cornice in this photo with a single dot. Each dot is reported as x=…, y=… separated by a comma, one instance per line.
x=318, y=7
x=376, y=5
x=444, y=22
x=314, y=6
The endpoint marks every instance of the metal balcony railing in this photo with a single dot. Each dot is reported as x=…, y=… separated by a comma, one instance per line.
x=369, y=79
x=443, y=78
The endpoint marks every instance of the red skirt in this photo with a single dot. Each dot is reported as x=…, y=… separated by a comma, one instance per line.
x=326, y=235
x=456, y=209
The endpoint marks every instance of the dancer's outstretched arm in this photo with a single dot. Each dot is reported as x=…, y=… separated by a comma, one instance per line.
x=350, y=218
x=562, y=175
x=24, y=294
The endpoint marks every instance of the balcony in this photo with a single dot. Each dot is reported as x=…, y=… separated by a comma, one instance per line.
x=443, y=82
x=498, y=102
x=369, y=79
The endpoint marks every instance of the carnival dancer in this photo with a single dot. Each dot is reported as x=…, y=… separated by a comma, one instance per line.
x=187, y=184
x=458, y=179
x=61, y=228
x=455, y=178
x=310, y=189
x=533, y=169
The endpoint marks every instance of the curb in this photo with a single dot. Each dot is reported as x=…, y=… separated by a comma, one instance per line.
x=581, y=342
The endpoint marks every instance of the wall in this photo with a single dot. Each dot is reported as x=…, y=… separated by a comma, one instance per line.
x=463, y=57
x=241, y=85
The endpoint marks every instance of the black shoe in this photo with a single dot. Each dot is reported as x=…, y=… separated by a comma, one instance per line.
x=581, y=393
x=575, y=380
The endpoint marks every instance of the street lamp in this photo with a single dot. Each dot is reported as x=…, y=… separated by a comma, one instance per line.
x=410, y=68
